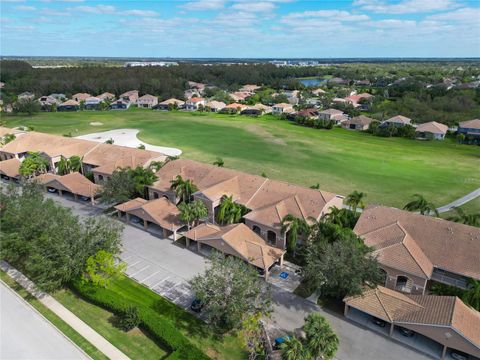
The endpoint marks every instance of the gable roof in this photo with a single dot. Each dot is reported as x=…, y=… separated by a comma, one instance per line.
x=400, y=119
x=359, y=120
x=432, y=127
x=447, y=245
x=172, y=101
x=215, y=104
x=10, y=167
x=238, y=240
x=81, y=96
x=331, y=112
x=70, y=102
x=470, y=124
x=75, y=183
x=106, y=95
x=147, y=97
x=282, y=105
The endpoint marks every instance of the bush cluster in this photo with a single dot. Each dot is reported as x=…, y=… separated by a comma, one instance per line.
x=150, y=320
x=314, y=123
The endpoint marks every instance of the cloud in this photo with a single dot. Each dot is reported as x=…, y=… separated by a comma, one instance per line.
x=25, y=8
x=263, y=6
x=54, y=12
x=393, y=23
x=463, y=15
x=405, y=6
x=204, y=5
x=98, y=9
x=142, y=13
x=336, y=15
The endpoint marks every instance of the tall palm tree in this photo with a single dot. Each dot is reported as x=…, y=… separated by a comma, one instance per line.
x=355, y=200
x=294, y=227
x=472, y=294
x=75, y=163
x=184, y=189
x=321, y=341
x=421, y=205
x=467, y=219
x=142, y=177
x=33, y=165
x=336, y=216
x=199, y=210
x=186, y=214
x=219, y=162
x=293, y=349
x=63, y=166
x=229, y=211
x=156, y=165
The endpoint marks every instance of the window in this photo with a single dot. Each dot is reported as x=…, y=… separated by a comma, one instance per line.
x=256, y=230
x=155, y=195
x=271, y=237
x=100, y=177
x=404, y=284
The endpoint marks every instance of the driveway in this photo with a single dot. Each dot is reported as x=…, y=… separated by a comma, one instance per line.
x=25, y=334
x=166, y=268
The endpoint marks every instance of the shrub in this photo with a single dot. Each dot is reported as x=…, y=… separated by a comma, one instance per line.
x=156, y=324
x=128, y=318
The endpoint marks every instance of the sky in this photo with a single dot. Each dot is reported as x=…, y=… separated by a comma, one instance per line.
x=241, y=28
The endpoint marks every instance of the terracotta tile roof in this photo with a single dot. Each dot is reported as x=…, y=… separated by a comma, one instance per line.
x=131, y=93
x=265, y=197
x=147, y=97
x=432, y=127
x=159, y=211
x=249, y=88
x=10, y=167
x=215, y=104
x=172, y=101
x=399, y=119
x=75, y=183
x=447, y=245
x=195, y=99
x=308, y=112
x=237, y=240
x=106, y=95
x=331, y=112
x=470, y=124
x=282, y=105
x=81, y=96
x=359, y=120
x=70, y=102
x=235, y=106
x=427, y=310
x=4, y=131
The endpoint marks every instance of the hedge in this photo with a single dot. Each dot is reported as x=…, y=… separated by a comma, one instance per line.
x=157, y=325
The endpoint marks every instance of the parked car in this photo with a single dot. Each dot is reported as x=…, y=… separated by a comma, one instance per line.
x=379, y=322
x=406, y=332
x=196, y=305
x=84, y=198
x=51, y=190
x=458, y=355
x=135, y=219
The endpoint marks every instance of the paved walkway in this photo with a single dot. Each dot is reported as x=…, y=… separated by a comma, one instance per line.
x=66, y=315
x=26, y=335
x=459, y=202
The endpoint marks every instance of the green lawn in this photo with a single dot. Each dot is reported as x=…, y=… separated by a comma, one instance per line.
x=389, y=170
x=75, y=337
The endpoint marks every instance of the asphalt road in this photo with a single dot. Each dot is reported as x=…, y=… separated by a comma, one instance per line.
x=154, y=261
x=25, y=334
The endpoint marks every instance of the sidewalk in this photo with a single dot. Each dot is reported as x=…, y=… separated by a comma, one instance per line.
x=66, y=315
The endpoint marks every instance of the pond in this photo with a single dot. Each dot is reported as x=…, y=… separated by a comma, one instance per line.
x=312, y=82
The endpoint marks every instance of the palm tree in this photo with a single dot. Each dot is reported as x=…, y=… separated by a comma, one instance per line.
x=63, y=166
x=186, y=213
x=321, y=341
x=33, y=165
x=355, y=200
x=219, y=162
x=156, y=165
x=294, y=227
x=229, y=211
x=75, y=163
x=142, y=177
x=467, y=219
x=293, y=349
x=199, y=210
x=336, y=216
x=109, y=141
x=421, y=205
x=183, y=188
x=472, y=294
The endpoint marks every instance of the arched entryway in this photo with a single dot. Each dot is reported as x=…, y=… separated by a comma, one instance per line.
x=272, y=237
x=403, y=284
x=256, y=230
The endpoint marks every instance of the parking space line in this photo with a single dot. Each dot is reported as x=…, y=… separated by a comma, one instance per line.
x=139, y=271
x=154, y=286
x=149, y=276
x=135, y=263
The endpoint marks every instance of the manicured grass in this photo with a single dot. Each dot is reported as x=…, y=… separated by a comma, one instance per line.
x=388, y=170
x=75, y=337
x=217, y=347
x=469, y=208
x=135, y=343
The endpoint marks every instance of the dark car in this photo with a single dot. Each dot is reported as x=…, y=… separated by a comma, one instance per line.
x=379, y=322
x=84, y=198
x=196, y=305
x=406, y=332
x=458, y=355
x=135, y=219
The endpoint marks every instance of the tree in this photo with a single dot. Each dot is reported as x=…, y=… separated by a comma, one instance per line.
x=253, y=336
x=102, y=267
x=316, y=186
x=34, y=164
x=219, y=162
x=184, y=189
x=421, y=205
x=125, y=184
x=467, y=219
x=355, y=200
x=192, y=212
x=29, y=106
x=229, y=211
x=128, y=318
x=231, y=292
x=325, y=267
x=72, y=164
x=156, y=165
x=293, y=349
x=342, y=217
x=51, y=253
x=472, y=295
x=294, y=227
x=321, y=341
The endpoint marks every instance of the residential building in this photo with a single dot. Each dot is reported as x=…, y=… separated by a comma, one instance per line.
x=308, y=113
x=78, y=97
x=147, y=101
x=256, y=110
x=130, y=96
x=120, y=104
x=318, y=92
x=360, y=123
x=92, y=103
x=10, y=169
x=431, y=131
x=415, y=250
x=194, y=103
x=282, y=108
x=268, y=200
x=240, y=96
x=46, y=103
x=470, y=127
x=398, y=121
x=355, y=99
x=249, y=88
x=170, y=104
x=59, y=97
x=215, y=106
x=443, y=322
x=234, y=108
x=334, y=115
x=69, y=105
x=106, y=96
x=197, y=86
